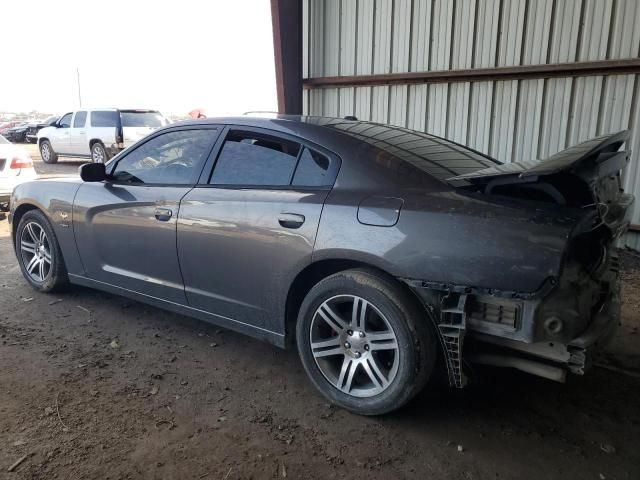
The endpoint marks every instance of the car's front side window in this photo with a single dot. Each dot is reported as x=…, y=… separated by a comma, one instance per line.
x=249, y=158
x=173, y=158
x=65, y=121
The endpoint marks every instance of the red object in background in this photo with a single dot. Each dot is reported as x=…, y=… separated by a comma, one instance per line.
x=197, y=113
x=7, y=125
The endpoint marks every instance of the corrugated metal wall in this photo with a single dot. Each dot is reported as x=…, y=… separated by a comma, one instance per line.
x=510, y=120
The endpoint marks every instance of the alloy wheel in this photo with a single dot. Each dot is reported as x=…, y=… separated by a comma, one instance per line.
x=354, y=346
x=35, y=251
x=46, y=152
x=98, y=154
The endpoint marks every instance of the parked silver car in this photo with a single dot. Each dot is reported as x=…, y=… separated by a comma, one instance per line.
x=16, y=167
x=98, y=134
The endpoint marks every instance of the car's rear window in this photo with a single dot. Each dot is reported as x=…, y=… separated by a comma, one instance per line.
x=436, y=156
x=142, y=119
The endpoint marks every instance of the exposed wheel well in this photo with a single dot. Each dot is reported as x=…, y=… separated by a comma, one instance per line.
x=42, y=139
x=17, y=216
x=92, y=142
x=310, y=276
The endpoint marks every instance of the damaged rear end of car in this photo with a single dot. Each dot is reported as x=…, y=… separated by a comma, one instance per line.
x=556, y=328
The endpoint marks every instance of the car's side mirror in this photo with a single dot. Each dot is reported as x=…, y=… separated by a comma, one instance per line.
x=93, y=172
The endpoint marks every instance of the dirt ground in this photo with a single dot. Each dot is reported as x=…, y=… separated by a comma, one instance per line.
x=97, y=386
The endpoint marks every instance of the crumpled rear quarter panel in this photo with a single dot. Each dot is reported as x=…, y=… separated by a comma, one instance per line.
x=451, y=238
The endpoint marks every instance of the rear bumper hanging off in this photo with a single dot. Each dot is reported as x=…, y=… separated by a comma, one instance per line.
x=508, y=335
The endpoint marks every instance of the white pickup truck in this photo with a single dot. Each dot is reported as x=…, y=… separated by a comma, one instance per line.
x=96, y=133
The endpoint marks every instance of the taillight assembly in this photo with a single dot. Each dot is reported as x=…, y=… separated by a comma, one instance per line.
x=18, y=163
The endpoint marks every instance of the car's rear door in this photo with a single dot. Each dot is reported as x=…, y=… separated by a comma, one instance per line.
x=125, y=227
x=246, y=230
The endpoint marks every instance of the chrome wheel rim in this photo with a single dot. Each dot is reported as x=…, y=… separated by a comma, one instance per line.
x=98, y=154
x=35, y=251
x=354, y=346
x=46, y=153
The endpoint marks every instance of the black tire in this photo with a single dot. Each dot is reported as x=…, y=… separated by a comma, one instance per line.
x=99, y=153
x=55, y=277
x=46, y=152
x=417, y=345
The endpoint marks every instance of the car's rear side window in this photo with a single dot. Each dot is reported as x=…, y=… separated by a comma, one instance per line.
x=313, y=170
x=100, y=118
x=249, y=158
x=80, y=119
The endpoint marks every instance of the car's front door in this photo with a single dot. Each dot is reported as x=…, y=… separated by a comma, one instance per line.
x=245, y=232
x=125, y=227
x=78, y=142
x=59, y=137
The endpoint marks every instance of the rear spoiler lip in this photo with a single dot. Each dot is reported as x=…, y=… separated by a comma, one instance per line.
x=567, y=159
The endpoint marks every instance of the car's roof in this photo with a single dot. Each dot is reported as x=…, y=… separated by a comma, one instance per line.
x=114, y=109
x=436, y=156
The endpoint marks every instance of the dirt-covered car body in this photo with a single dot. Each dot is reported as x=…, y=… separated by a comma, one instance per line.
x=514, y=264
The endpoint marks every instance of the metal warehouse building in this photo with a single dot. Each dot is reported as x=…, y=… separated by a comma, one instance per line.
x=517, y=79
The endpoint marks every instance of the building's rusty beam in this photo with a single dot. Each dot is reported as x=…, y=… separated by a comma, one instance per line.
x=579, y=69
x=286, y=19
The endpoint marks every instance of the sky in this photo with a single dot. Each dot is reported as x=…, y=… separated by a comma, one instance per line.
x=173, y=56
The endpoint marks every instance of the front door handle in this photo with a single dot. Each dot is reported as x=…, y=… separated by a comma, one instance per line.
x=291, y=220
x=163, y=214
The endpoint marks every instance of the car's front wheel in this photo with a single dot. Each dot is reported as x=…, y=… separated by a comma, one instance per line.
x=99, y=153
x=39, y=253
x=365, y=342
x=46, y=152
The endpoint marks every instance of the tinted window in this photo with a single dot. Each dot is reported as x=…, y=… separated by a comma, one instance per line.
x=255, y=159
x=313, y=170
x=170, y=158
x=65, y=121
x=104, y=118
x=142, y=119
x=436, y=156
x=79, y=120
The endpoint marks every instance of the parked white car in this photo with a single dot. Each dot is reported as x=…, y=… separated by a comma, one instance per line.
x=96, y=133
x=16, y=167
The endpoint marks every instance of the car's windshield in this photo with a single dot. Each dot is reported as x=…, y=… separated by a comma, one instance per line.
x=3, y=140
x=142, y=119
x=433, y=155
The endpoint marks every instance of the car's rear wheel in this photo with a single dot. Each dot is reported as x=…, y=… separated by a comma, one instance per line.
x=39, y=253
x=99, y=153
x=46, y=152
x=365, y=342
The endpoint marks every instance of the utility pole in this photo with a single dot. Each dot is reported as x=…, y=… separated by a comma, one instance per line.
x=79, y=95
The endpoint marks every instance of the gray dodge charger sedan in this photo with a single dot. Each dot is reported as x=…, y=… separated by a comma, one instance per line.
x=383, y=253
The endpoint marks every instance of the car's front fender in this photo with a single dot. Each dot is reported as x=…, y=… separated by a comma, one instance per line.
x=54, y=197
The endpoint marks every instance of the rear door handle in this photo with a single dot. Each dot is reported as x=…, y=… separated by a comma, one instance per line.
x=163, y=214
x=291, y=220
